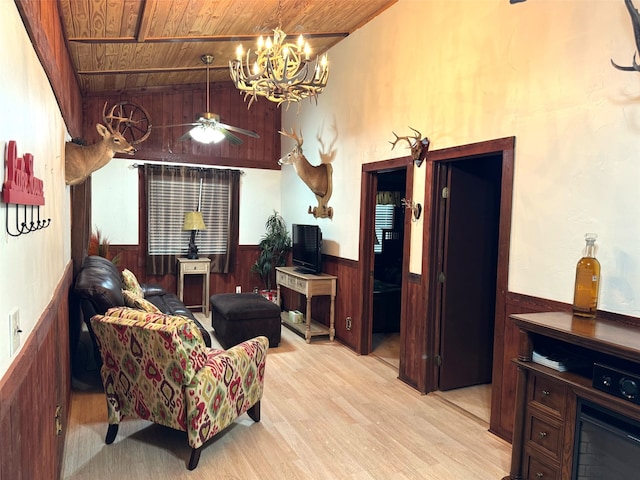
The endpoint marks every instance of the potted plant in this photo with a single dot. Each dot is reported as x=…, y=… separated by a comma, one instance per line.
x=101, y=246
x=274, y=247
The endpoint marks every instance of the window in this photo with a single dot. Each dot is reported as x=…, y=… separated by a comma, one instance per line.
x=384, y=221
x=171, y=191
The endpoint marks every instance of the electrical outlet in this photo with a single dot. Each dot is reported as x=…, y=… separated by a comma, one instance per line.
x=238, y=289
x=14, y=324
x=348, y=323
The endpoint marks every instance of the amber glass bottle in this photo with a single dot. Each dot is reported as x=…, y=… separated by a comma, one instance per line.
x=585, y=297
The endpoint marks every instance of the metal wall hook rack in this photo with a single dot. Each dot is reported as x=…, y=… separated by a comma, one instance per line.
x=24, y=227
x=22, y=189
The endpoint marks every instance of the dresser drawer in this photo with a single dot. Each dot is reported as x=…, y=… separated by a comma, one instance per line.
x=301, y=285
x=281, y=278
x=545, y=435
x=540, y=468
x=547, y=394
x=199, y=267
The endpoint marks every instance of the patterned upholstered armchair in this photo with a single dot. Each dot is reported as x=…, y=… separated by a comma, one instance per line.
x=157, y=367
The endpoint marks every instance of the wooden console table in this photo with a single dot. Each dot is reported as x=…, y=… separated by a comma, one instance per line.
x=198, y=266
x=547, y=400
x=309, y=285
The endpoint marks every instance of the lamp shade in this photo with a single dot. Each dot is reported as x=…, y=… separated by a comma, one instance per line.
x=193, y=221
x=206, y=133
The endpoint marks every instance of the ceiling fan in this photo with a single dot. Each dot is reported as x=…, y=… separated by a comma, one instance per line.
x=208, y=128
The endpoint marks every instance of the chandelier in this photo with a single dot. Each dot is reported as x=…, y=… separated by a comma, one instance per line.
x=279, y=71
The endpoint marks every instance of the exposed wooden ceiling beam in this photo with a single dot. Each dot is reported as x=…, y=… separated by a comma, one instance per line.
x=207, y=38
x=145, y=20
x=140, y=71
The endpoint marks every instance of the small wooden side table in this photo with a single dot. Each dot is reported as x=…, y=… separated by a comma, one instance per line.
x=198, y=266
x=309, y=285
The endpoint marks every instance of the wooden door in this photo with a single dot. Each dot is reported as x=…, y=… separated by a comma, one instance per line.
x=469, y=264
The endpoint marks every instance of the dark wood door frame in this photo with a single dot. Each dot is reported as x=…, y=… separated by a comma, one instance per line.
x=369, y=183
x=505, y=147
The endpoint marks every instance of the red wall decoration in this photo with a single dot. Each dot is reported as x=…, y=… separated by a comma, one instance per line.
x=20, y=185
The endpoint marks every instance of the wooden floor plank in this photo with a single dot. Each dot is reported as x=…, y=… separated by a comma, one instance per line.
x=327, y=413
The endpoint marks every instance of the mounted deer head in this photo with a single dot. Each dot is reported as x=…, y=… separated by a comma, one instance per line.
x=635, y=21
x=81, y=161
x=317, y=177
x=419, y=147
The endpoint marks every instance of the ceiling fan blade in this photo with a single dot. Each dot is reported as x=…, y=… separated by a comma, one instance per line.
x=176, y=125
x=250, y=133
x=229, y=136
x=185, y=136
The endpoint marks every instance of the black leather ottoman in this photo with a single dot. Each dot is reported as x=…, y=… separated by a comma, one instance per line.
x=237, y=317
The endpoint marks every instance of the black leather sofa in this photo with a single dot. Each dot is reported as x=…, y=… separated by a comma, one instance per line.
x=98, y=287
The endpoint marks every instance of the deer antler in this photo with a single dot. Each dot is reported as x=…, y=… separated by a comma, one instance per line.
x=299, y=140
x=411, y=144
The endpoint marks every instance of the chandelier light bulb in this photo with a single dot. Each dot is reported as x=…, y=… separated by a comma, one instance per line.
x=281, y=72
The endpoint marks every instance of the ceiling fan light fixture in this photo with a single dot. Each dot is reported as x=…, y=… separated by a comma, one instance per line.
x=205, y=133
x=279, y=71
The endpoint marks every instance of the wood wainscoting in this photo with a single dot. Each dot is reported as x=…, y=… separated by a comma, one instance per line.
x=35, y=396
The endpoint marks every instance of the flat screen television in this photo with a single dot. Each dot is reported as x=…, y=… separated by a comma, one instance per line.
x=306, y=244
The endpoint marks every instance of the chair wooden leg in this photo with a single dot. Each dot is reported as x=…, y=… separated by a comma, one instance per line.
x=111, y=433
x=254, y=412
x=195, y=458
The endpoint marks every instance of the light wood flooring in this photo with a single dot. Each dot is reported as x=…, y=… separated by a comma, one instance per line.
x=327, y=413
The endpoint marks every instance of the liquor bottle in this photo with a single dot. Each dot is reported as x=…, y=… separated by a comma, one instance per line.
x=585, y=297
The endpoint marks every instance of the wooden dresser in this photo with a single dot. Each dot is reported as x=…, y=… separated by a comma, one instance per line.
x=547, y=399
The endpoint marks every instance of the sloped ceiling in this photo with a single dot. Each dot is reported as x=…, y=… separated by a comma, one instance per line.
x=129, y=44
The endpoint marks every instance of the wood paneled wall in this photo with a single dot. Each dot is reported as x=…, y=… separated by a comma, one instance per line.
x=413, y=335
x=175, y=106
x=37, y=382
x=133, y=257
x=42, y=21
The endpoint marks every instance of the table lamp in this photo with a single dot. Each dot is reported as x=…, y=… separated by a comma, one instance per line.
x=193, y=221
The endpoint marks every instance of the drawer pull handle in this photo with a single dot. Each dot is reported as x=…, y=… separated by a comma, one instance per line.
x=539, y=475
x=542, y=434
x=546, y=393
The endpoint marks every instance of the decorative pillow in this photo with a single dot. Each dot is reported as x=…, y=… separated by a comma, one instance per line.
x=134, y=301
x=131, y=283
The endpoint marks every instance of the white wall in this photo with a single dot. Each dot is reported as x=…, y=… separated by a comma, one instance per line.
x=115, y=189
x=31, y=265
x=464, y=71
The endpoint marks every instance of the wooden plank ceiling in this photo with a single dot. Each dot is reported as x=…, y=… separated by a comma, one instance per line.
x=118, y=45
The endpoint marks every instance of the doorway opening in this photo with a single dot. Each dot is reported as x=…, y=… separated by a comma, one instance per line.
x=469, y=237
x=389, y=221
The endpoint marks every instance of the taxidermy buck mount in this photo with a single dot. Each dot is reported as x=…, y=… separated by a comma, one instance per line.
x=635, y=21
x=317, y=177
x=80, y=161
x=419, y=147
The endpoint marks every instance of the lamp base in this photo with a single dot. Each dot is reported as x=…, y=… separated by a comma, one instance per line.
x=193, y=249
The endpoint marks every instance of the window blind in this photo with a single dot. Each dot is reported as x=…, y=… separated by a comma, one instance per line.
x=166, y=209
x=384, y=220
